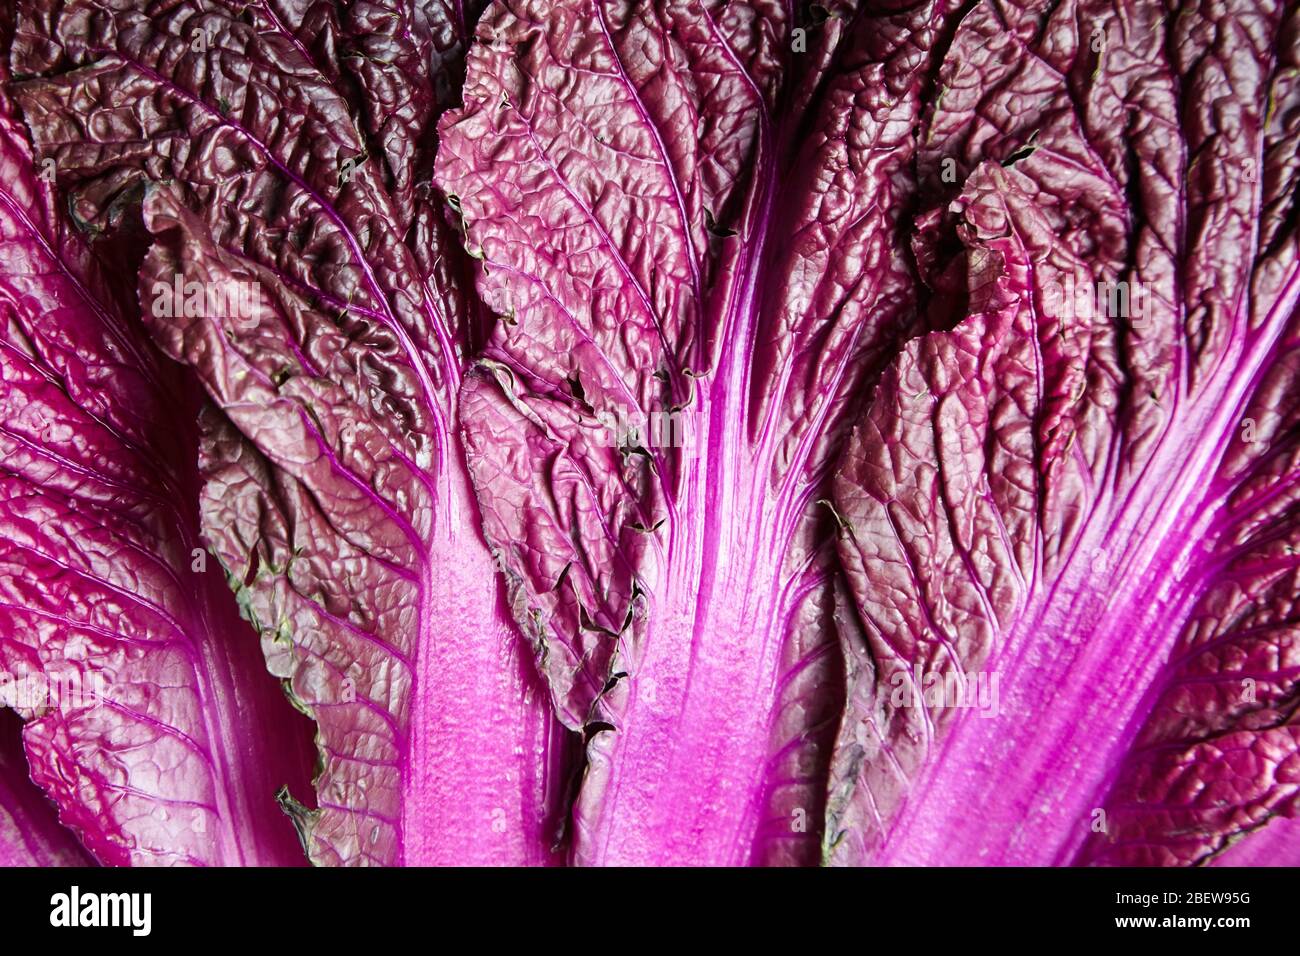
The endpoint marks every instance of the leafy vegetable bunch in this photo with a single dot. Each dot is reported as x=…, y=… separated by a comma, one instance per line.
x=650, y=432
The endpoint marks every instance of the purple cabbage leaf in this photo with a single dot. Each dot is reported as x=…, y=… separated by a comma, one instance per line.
x=1071, y=523
x=150, y=721
x=278, y=155
x=30, y=832
x=687, y=217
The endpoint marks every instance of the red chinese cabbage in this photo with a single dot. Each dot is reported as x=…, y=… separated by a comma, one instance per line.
x=150, y=720
x=278, y=148
x=1087, y=490
x=654, y=431
x=686, y=213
